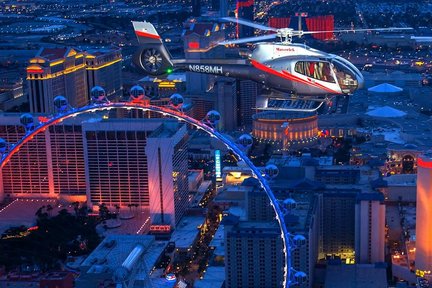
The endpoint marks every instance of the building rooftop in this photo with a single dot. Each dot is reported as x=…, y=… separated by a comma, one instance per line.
x=238, y=211
x=233, y=193
x=200, y=193
x=204, y=186
x=299, y=221
x=344, y=167
x=252, y=229
x=257, y=224
x=203, y=29
x=166, y=130
x=104, y=262
x=162, y=282
x=53, y=53
x=186, y=231
x=114, y=249
x=218, y=241
x=355, y=276
x=305, y=160
x=401, y=180
x=282, y=115
x=179, y=77
x=213, y=278
x=370, y=197
x=16, y=279
x=22, y=212
x=101, y=51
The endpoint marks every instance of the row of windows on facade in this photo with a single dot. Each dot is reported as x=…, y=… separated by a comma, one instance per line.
x=116, y=135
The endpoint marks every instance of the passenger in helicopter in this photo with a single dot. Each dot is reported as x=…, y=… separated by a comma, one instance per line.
x=327, y=76
x=339, y=75
x=312, y=69
x=315, y=69
x=319, y=71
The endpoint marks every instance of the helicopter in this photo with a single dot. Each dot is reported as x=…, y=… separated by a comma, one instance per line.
x=284, y=66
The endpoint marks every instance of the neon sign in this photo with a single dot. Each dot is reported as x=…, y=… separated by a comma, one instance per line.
x=218, y=165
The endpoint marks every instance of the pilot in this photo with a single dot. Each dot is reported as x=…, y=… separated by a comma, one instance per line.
x=327, y=73
x=348, y=79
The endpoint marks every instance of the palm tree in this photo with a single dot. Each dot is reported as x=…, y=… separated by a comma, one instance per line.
x=49, y=209
x=83, y=211
x=76, y=208
x=41, y=214
x=103, y=211
x=136, y=207
x=117, y=207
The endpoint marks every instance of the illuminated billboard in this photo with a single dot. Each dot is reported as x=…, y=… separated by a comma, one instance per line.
x=218, y=165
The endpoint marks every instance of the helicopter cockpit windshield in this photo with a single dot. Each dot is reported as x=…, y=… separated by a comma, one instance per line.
x=347, y=75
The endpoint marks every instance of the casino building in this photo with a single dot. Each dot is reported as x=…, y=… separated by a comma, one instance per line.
x=423, y=252
x=72, y=73
x=113, y=161
x=286, y=130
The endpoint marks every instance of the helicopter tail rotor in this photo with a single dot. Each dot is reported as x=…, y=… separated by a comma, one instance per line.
x=152, y=57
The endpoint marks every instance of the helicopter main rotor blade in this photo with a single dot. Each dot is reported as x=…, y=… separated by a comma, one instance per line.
x=354, y=30
x=248, y=39
x=248, y=23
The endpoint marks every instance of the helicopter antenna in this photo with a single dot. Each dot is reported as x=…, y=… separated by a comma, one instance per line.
x=286, y=34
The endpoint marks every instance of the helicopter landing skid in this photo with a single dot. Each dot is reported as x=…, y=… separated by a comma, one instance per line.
x=303, y=108
x=277, y=95
x=279, y=101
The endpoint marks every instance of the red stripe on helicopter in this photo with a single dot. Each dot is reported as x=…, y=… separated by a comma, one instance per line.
x=147, y=35
x=290, y=76
x=423, y=163
x=318, y=85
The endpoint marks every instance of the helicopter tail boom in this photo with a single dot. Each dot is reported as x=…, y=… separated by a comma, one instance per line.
x=236, y=68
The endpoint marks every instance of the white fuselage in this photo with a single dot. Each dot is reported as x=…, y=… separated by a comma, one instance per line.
x=269, y=51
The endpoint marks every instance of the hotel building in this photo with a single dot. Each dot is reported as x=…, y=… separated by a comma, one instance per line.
x=370, y=228
x=130, y=161
x=53, y=72
x=110, y=161
x=72, y=73
x=423, y=254
x=103, y=68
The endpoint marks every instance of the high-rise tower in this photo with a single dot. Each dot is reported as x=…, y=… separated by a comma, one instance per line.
x=370, y=228
x=196, y=8
x=423, y=261
x=131, y=161
x=245, y=10
x=104, y=68
x=53, y=72
x=72, y=73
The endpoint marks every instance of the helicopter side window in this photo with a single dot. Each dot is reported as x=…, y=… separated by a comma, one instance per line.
x=315, y=69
